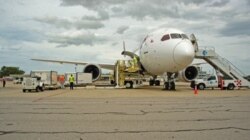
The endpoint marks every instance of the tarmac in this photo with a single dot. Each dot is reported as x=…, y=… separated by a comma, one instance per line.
x=146, y=113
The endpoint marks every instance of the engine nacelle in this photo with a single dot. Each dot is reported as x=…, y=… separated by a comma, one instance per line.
x=188, y=74
x=94, y=69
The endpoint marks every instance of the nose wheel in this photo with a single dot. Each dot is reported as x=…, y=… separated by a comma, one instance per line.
x=169, y=83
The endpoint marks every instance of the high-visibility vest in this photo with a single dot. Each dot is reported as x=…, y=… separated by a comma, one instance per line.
x=71, y=79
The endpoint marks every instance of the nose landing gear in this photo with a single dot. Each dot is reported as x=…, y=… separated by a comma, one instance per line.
x=169, y=81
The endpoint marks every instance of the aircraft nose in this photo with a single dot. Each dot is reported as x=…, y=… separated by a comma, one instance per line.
x=184, y=53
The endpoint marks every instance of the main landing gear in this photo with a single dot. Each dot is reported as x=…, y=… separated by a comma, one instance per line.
x=169, y=83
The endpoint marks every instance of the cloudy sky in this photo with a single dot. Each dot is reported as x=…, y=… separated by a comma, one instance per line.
x=93, y=30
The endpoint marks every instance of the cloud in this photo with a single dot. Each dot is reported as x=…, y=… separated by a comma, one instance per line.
x=135, y=8
x=141, y=9
x=196, y=2
x=114, y=44
x=219, y=3
x=72, y=37
x=84, y=23
x=2, y=11
x=92, y=4
x=103, y=15
x=66, y=40
x=236, y=28
x=15, y=35
x=122, y=29
x=138, y=11
x=248, y=2
x=95, y=4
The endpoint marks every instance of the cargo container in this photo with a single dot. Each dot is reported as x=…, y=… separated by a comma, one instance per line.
x=47, y=77
x=80, y=78
x=83, y=78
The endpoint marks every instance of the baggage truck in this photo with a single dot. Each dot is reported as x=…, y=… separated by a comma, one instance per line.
x=49, y=78
x=32, y=83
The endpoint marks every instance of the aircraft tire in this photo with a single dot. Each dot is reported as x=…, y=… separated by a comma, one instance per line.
x=168, y=86
x=172, y=85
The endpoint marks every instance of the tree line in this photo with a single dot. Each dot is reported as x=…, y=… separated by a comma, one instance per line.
x=6, y=71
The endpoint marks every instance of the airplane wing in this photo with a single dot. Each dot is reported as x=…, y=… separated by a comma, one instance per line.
x=104, y=66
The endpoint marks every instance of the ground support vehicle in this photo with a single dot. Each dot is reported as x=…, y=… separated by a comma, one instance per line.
x=49, y=78
x=216, y=82
x=32, y=83
x=126, y=74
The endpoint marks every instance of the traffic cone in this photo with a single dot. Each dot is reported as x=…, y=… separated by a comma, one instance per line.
x=195, y=90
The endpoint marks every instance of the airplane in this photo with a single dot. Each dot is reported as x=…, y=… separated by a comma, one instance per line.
x=167, y=51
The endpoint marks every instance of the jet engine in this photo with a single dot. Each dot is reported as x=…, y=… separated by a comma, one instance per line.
x=188, y=74
x=94, y=69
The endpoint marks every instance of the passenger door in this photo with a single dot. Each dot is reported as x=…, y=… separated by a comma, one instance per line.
x=212, y=82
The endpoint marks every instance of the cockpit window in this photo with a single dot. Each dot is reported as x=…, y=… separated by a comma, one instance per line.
x=174, y=36
x=165, y=37
x=184, y=36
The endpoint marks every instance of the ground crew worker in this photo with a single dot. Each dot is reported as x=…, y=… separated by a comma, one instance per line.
x=4, y=82
x=62, y=80
x=71, y=81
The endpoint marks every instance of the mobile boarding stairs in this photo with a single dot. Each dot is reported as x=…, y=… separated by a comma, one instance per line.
x=229, y=71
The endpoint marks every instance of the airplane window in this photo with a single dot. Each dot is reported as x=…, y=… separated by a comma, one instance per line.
x=165, y=37
x=184, y=36
x=174, y=36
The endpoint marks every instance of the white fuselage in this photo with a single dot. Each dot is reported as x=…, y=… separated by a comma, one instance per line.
x=166, y=50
